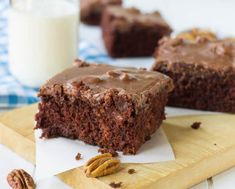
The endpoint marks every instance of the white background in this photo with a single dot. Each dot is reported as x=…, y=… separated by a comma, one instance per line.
x=219, y=15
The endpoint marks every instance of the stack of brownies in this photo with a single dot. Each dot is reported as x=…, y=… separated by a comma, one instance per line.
x=120, y=108
x=127, y=32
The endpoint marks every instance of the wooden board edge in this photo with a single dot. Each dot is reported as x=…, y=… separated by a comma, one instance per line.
x=82, y=181
x=195, y=173
x=18, y=143
x=26, y=149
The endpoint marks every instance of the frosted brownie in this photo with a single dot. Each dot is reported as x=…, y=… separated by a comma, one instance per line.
x=203, y=71
x=128, y=33
x=91, y=10
x=112, y=107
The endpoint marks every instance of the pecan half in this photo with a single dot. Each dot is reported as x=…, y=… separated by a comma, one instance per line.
x=101, y=165
x=19, y=179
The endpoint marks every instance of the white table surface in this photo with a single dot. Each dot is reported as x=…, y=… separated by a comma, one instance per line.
x=181, y=14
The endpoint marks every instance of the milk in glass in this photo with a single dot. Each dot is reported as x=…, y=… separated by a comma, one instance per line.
x=42, y=39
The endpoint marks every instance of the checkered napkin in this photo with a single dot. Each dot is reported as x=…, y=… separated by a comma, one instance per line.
x=13, y=93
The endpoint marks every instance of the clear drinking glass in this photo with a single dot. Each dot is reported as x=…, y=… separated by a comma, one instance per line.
x=43, y=36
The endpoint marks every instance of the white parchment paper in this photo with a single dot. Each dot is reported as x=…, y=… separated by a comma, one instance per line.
x=54, y=156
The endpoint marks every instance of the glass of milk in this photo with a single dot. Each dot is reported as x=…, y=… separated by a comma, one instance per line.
x=43, y=36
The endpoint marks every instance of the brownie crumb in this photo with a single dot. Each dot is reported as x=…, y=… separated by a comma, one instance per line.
x=106, y=150
x=78, y=156
x=115, y=185
x=196, y=125
x=131, y=171
x=147, y=138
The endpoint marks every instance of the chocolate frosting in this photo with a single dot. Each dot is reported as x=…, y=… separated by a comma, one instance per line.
x=97, y=6
x=131, y=16
x=87, y=3
x=217, y=55
x=103, y=77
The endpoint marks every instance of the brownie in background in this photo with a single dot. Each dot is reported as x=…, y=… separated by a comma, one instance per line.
x=91, y=10
x=203, y=71
x=112, y=107
x=129, y=33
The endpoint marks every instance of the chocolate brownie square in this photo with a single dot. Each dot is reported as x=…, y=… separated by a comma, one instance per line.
x=112, y=107
x=91, y=10
x=203, y=71
x=129, y=33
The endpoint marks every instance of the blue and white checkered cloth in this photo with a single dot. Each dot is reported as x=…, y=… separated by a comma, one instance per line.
x=14, y=94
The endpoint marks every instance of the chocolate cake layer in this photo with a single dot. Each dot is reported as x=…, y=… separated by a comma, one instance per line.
x=130, y=33
x=91, y=10
x=112, y=107
x=203, y=72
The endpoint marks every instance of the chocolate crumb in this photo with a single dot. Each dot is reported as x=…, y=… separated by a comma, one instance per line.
x=196, y=125
x=78, y=156
x=115, y=185
x=147, y=138
x=106, y=150
x=131, y=171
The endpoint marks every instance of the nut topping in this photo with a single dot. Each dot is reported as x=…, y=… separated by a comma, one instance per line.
x=222, y=49
x=19, y=179
x=113, y=73
x=92, y=79
x=133, y=10
x=125, y=77
x=176, y=42
x=101, y=165
x=195, y=35
x=80, y=63
x=122, y=75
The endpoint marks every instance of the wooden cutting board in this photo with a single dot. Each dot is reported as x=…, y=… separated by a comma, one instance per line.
x=200, y=153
